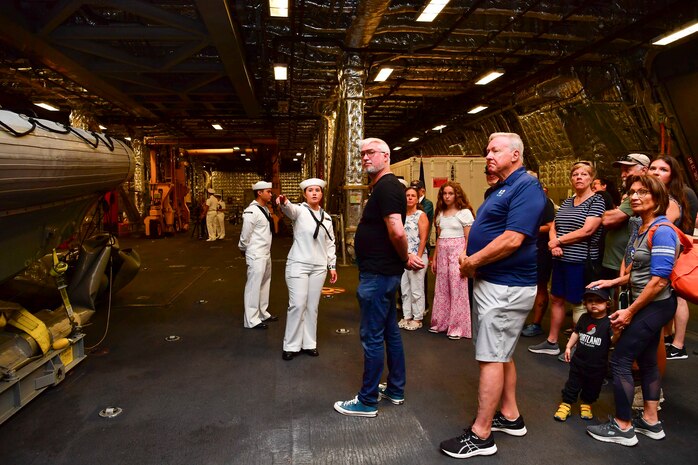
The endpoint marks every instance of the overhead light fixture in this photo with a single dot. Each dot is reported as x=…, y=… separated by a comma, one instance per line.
x=489, y=77
x=46, y=106
x=477, y=109
x=395, y=149
x=278, y=8
x=103, y=128
x=414, y=139
x=431, y=10
x=686, y=30
x=236, y=148
x=280, y=72
x=383, y=74
x=439, y=127
x=128, y=139
x=217, y=127
x=247, y=159
x=208, y=151
x=295, y=159
x=298, y=154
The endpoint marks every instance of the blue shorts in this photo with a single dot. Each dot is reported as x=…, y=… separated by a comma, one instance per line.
x=568, y=281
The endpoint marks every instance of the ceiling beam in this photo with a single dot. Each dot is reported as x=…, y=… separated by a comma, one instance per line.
x=230, y=44
x=16, y=34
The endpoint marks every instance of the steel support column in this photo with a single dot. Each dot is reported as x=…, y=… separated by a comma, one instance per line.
x=351, y=131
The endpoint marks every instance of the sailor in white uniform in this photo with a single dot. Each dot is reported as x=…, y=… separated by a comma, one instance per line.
x=255, y=245
x=220, y=217
x=211, y=210
x=311, y=256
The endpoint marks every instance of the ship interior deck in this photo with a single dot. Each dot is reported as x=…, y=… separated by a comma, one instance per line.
x=222, y=394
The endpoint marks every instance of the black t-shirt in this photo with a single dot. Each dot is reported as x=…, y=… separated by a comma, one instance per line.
x=374, y=251
x=594, y=341
x=607, y=200
x=548, y=216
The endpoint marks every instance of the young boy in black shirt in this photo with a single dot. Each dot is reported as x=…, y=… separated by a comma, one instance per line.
x=592, y=336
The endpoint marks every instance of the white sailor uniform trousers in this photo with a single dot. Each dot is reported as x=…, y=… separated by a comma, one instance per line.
x=255, y=242
x=220, y=220
x=212, y=203
x=312, y=253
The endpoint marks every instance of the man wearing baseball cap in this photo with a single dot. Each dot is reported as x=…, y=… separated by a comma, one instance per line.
x=615, y=221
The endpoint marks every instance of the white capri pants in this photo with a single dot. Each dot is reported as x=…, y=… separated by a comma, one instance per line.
x=412, y=290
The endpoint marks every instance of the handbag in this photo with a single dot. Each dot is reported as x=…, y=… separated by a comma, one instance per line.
x=592, y=268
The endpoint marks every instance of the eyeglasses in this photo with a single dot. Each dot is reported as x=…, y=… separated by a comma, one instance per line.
x=371, y=153
x=641, y=193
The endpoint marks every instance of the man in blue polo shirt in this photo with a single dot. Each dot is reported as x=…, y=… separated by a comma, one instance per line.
x=501, y=259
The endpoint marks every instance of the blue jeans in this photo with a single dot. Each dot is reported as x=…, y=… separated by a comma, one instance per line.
x=376, y=295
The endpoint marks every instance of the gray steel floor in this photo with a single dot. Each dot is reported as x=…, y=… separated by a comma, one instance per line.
x=223, y=395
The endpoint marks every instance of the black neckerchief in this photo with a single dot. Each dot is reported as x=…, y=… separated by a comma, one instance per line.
x=319, y=222
x=267, y=216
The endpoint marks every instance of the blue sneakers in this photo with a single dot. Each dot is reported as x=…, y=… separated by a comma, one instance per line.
x=384, y=394
x=355, y=408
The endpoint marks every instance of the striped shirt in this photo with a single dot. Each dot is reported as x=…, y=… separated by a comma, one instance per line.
x=571, y=218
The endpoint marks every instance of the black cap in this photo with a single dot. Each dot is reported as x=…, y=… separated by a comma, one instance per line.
x=417, y=183
x=599, y=292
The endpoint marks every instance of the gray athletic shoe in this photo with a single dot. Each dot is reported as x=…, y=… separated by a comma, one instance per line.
x=532, y=330
x=545, y=347
x=655, y=431
x=611, y=432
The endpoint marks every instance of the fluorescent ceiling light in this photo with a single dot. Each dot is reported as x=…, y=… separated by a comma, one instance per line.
x=477, y=109
x=208, y=151
x=680, y=34
x=103, y=128
x=298, y=154
x=280, y=72
x=295, y=159
x=383, y=74
x=414, y=139
x=247, y=159
x=127, y=138
x=439, y=127
x=432, y=9
x=278, y=8
x=489, y=77
x=217, y=127
x=395, y=149
x=46, y=106
x=236, y=148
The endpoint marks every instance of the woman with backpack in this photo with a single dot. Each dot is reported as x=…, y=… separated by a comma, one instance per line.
x=652, y=305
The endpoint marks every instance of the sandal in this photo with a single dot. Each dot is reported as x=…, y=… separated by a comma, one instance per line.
x=563, y=411
x=585, y=412
x=403, y=323
x=413, y=325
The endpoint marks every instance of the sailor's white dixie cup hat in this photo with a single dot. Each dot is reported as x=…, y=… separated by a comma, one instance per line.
x=313, y=182
x=261, y=185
